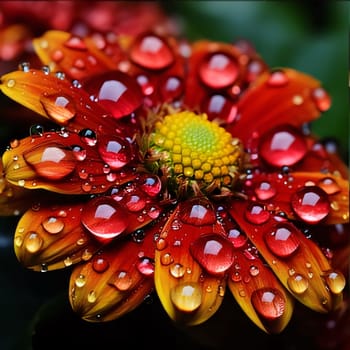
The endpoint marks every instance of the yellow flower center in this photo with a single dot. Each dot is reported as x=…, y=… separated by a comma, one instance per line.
x=196, y=151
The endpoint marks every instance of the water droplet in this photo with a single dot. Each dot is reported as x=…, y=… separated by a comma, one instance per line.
x=171, y=88
x=197, y=212
x=116, y=91
x=75, y=43
x=151, y=52
x=237, y=238
x=104, y=218
x=121, y=280
x=51, y=162
x=218, y=107
x=115, y=151
x=329, y=185
x=298, y=283
x=311, y=204
x=268, y=302
x=11, y=83
x=86, y=255
x=254, y=270
x=100, y=264
x=80, y=281
x=150, y=184
x=177, y=270
x=213, y=252
x=36, y=130
x=146, y=266
x=161, y=244
x=264, y=190
x=236, y=276
x=218, y=70
x=257, y=214
x=33, y=242
x=57, y=55
x=283, y=146
x=278, y=78
x=44, y=267
x=321, y=99
x=88, y=136
x=58, y=107
x=166, y=259
x=91, y=297
x=79, y=152
x=18, y=241
x=67, y=261
x=186, y=297
x=53, y=225
x=282, y=240
x=335, y=281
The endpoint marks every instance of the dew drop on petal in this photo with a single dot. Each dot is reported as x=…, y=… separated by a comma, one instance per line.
x=166, y=259
x=171, y=88
x=321, y=99
x=134, y=202
x=278, y=78
x=237, y=238
x=33, y=242
x=197, y=212
x=75, y=43
x=161, y=244
x=36, y=130
x=151, y=52
x=59, y=108
x=177, y=270
x=329, y=185
x=121, y=280
x=53, y=225
x=220, y=108
x=282, y=240
x=104, y=218
x=88, y=136
x=150, y=184
x=264, y=190
x=80, y=281
x=284, y=146
x=335, y=281
x=146, y=266
x=213, y=252
x=186, y=297
x=115, y=151
x=100, y=264
x=91, y=297
x=298, y=283
x=79, y=152
x=257, y=214
x=218, y=70
x=311, y=204
x=268, y=303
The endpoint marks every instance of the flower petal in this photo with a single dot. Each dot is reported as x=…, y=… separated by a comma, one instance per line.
x=283, y=96
x=116, y=280
x=284, y=192
x=75, y=56
x=298, y=262
x=64, y=162
x=190, y=293
x=49, y=238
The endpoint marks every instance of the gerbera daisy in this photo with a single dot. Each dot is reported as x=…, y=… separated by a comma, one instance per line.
x=184, y=169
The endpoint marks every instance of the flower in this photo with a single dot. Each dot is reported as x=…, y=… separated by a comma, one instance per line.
x=187, y=169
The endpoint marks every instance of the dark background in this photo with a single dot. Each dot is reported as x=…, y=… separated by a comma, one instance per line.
x=311, y=36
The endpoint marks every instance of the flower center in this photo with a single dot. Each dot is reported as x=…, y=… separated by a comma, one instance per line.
x=191, y=150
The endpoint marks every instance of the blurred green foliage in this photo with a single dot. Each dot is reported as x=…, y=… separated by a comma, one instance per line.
x=310, y=36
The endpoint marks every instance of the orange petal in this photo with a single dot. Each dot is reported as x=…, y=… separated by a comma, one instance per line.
x=49, y=238
x=297, y=261
x=116, y=280
x=64, y=162
x=75, y=56
x=286, y=192
x=283, y=96
x=260, y=294
x=190, y=293
x=57, y=99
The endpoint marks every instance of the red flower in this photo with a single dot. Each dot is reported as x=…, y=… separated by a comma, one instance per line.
x=180, y=168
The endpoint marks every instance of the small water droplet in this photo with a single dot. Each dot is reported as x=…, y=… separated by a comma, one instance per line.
x=254, y=270
x=329, y=185
x=298, y=283
x=257, y=214
x=33, y=242
x=268, y=303
x=121, y=280
x=166, y=259
x=67, y=261
x=264, y=190
x=146, y=266
x=80, y=281
x=91, y=297
x=177, y=270
x=186, y=297
x=278, y=78
x=100, y=264
x=321, y=99
x=335, y=281
x=53, y=225
x=88, y=136
x=197, y=212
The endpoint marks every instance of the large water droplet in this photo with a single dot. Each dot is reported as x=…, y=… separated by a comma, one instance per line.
x=186, y=296
x=104, y=218
x=298, y=283
x=151, y=52
x=283, y=146
x=257, y=214
x=51, y=162
x=311, y=204
x=115, y=151
x=53, y=225
x=335, y=281
x=269, y=303
x=33, y=242
x=58, y=107
x=197, y=212
x=117, y=92
x=282, y=240
x=218, y=70
x=213, y=252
